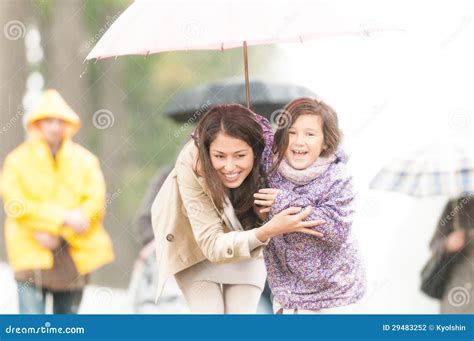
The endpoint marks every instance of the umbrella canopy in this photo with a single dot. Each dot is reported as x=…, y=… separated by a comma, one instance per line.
x=150, y=26
x=268, y=97
x=441, y=169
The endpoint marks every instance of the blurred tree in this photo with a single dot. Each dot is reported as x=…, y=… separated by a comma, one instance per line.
x=13, y=73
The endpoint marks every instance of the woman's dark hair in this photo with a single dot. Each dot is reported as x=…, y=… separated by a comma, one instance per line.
x=289, y=115
x=238, y=122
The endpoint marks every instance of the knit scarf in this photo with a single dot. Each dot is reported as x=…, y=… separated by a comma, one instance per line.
x=304, y=176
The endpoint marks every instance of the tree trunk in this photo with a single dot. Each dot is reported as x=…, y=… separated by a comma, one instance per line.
x=13, y=73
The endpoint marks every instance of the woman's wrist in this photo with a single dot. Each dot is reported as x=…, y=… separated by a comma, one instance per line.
x=263, y=232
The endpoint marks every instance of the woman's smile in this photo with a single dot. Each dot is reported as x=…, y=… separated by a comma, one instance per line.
x=232, y=158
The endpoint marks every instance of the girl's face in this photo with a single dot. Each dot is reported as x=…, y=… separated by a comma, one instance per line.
x=232, y=158
x=306, y=141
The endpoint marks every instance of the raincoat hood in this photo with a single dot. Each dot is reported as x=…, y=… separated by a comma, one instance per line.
x=52, y=105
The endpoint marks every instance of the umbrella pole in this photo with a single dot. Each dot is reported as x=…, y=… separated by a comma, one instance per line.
x=247, y=85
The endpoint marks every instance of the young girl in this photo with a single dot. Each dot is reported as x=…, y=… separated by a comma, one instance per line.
x=308, y=273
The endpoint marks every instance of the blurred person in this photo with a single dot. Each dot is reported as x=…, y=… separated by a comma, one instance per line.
x=54, y=199
x=454, y=239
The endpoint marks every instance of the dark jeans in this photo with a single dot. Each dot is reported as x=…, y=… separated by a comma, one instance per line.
x=32, y=300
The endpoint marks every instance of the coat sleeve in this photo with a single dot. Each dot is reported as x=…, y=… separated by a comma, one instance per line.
x=37, y=215
x=267, y=157
x=208, y=228
x=335, y=208
x=93, y=202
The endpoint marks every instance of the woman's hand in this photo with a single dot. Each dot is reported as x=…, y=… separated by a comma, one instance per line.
x=265, y=197
x=455, y=241
x=287, y=221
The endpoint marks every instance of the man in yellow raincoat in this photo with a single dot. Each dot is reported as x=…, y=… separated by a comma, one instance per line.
x=54, y=199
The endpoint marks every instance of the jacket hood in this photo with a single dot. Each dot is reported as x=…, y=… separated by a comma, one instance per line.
x=52, y=105
x=341, y=155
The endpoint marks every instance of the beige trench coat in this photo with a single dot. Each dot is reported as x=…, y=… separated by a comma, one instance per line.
x=187, y=226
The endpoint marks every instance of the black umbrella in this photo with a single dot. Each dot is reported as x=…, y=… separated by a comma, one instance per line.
x=267, y=97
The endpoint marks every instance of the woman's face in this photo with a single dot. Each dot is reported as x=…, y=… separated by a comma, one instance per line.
x=232, y=158
x=306, y=141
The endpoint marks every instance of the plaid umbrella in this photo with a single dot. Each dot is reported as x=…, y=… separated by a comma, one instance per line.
x=440, y=169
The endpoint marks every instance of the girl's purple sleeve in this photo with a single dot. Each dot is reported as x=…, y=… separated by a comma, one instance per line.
x=335, y=208
x=267, y=157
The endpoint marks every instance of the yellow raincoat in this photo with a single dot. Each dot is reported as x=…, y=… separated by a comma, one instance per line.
x=38, y=189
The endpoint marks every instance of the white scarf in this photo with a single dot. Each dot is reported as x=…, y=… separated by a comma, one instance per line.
x=304, y=176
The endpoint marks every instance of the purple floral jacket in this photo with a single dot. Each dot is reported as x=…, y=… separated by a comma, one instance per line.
x=305, y=271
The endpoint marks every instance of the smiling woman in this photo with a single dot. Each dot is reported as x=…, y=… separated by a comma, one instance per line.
x=205, y=227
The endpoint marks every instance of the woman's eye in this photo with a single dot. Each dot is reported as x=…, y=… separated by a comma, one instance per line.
x=291, y=133
x=311, y=134
x=240, y=156
x=218, y=156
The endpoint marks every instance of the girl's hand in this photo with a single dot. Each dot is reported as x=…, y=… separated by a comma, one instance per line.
x=287, y=221
x=258, y=211
x=265, y=197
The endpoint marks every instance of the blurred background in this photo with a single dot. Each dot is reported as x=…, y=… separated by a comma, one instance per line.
x=394, y=93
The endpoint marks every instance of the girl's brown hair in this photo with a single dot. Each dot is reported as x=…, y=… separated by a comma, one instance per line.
x=238, y=122
x=305, y=106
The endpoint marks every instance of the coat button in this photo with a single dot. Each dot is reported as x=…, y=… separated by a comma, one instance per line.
x=229, y=252
x=169, y=237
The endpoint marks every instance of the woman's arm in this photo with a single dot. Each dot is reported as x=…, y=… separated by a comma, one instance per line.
x=219, y=246
x=335, y=208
